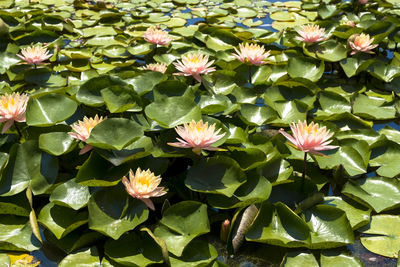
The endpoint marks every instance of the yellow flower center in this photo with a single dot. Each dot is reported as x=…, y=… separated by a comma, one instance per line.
x=144, y=180
x=7, y=102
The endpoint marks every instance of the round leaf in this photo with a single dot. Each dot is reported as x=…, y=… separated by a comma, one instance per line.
x=49, y=109
x=302, y=67
x=57, y=143
x=221, y=175
x=115, y=133
x=71, y=195
x=172, y=111
x=113, y=212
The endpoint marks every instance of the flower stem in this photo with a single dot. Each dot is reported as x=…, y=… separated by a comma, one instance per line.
x=18, y=130
x=304, y=171
x=155, y=53
x=249, y=74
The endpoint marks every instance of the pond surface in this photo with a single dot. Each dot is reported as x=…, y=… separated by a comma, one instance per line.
x=251, y=254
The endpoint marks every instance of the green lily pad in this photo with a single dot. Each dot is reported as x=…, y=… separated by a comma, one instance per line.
x=302, y=67
x=90, y=92
x=333, y=258
x=22, y=238
x=172, y=111
x=197, y=253
x=276, y=224
x=113, y=212
x=57, y=143
x=329, y=227
x=49, y=109
x=294, y=259
x=256, y=190
x=379, y=193
x=385, y=236
x=181, y=223
x=330, y=51
x=61, y=220
x=71, y=195
x=352, y=154
x=88, y=257
x=220, y=175
x=256, y=115
x=357, y=214
x=134, y=250
x=115, y=133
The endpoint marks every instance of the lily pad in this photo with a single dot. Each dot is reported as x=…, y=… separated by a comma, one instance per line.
x=220, y=175
x=384, y=236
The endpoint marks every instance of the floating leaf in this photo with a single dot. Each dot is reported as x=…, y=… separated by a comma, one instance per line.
x=49, y=109
x=385, y=236
x=61, y=220
x=113, y=212
x=71, y=195
x=377, y=192
x=115, y=133
x=172, y=111
x=134, y=250
x=276, y=224
x=302, y=67
x=181, y=223
x=221, y=175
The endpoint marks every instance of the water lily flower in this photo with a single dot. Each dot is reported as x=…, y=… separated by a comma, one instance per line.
x=83, y=129
x=311, y=34
x=361, y=43
x=197, y=136
x=309, y=138
x=12, y=108
x=143, y=185
x=160, y=67
x=157, y=36
x=194, y=65
x=34, y=55
x=252, y=54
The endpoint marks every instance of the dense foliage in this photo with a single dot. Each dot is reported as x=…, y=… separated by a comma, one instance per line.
x=237, y=178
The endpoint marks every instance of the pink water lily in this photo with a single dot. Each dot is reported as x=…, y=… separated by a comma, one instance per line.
x=12, y=108
x=160, y=67
x=311, y=34
x=361, y=43
x=34, y=55
x=143, y=185
x=309, y=138
x=252, y=54
x=194, y=65
x=157, y=36
x=197, y=136
x=83, y=129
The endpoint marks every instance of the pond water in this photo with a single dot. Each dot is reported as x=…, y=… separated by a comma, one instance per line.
x=251, y=254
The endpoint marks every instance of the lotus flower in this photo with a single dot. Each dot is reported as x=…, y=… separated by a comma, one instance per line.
x=83, y=129
x=157, y=36
x=252, y=54
x=34, y=55
x=309, y=138
x=361, y=43
x=12, y=108
x=197, y=136
x=194, y=65
x=311, y=34
x=160, y=67
x=143, y=185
